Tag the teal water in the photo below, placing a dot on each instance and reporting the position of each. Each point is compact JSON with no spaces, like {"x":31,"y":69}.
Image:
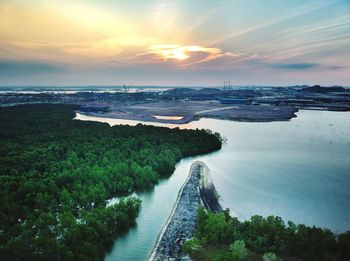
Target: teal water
{"x":298,"y":170}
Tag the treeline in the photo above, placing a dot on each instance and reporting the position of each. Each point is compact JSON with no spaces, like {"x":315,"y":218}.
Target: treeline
{"x":220,"y":237}
{"x":56,"y":175}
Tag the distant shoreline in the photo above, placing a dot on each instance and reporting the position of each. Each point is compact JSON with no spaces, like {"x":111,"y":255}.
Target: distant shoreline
{"x":184,"y":120}
{"x":192,"y":111}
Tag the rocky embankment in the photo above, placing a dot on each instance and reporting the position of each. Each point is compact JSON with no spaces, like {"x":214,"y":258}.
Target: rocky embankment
{"x":197,"y":191}
{"x":208,"y":193}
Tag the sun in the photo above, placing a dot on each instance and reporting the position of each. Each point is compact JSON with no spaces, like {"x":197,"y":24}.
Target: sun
{"x":170,"y":52}
{"x":178,"y":53}
{"x":183,"y":52}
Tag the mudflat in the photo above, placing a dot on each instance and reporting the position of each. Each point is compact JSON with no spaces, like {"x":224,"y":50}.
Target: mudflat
{"x":181,"y":112}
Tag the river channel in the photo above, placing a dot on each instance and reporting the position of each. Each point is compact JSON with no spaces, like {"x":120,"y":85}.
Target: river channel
{"x":298,"y":170}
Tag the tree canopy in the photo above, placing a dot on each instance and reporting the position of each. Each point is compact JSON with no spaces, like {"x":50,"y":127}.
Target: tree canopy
{"x":56,"y":175}
{"x":222,"y":237}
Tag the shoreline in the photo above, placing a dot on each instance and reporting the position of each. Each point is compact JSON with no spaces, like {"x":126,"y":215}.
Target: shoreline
{"x":183,"y":112}
{"x":207,"y":191}
{"x":180,"y":225}
{"x":185,"y":119}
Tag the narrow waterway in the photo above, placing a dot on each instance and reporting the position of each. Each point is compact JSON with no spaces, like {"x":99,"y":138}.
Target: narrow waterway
{"x":298,"y":170}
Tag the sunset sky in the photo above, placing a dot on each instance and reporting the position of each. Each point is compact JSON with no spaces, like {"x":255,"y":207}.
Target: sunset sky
{"x":174,"y":43}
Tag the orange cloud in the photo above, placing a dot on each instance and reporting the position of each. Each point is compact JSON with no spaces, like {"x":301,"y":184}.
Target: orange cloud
{"x":194,"y":53}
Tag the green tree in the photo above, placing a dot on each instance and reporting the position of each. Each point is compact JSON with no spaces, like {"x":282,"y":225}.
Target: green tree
{"x":271,"y":257}
{"x":56,"y":175}
{"x":238,"y":250}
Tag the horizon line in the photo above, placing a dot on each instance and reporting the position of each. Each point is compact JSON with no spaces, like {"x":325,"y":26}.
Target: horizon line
{"x":167,"y":86}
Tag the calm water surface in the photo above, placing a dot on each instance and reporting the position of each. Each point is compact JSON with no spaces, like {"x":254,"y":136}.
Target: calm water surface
{"x":298,"y":170}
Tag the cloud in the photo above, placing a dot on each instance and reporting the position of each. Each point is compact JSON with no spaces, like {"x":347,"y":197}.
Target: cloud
{"x":295,"y":66}
{"x":182,"y":52}
{"x":14,"y":68}
{"x":199,"y":20}
{"x":336,"y":67}
{"x":186,"y":55}
{"x":304,"y":66}
{"x":164,"y":16}
{"x":301,"y":11}
{"x":303,"y":36}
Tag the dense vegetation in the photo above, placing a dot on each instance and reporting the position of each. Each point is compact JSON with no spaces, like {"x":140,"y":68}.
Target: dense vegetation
{"x":56,"y":175}
{"x":220,"y":237}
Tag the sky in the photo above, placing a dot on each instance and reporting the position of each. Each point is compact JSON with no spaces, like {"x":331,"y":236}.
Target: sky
{"x":174,"y":43}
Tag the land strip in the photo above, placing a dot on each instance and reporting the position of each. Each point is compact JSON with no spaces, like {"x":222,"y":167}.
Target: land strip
{"x":183,"y":112}
{"x":198,"y":190}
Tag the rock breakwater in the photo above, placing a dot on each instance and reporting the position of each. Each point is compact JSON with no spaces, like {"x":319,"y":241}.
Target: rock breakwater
{"x":198,"y":190}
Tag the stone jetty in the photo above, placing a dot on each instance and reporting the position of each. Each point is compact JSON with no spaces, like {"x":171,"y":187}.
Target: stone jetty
{"x":180,"y":225}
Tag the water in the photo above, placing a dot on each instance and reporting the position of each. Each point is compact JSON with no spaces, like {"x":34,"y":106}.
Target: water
{"x":298,"y":170}
{"x":156,"y":207}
